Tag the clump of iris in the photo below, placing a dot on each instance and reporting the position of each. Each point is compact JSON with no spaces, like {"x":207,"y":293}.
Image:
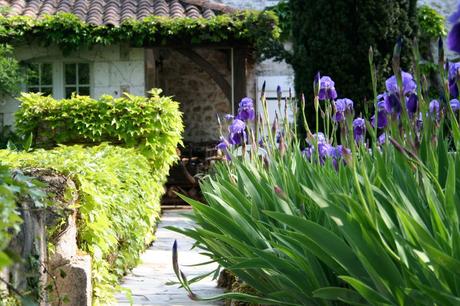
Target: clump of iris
{"x":237,"y":134}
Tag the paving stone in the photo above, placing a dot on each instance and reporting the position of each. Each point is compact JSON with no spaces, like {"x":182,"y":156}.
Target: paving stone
{"x":147,"y":282}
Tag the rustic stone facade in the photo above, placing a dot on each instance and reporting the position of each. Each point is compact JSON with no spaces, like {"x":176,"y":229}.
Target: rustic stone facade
{"x":200,"y":97}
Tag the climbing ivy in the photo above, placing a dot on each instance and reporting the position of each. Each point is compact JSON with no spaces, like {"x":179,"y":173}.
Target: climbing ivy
{"x":11,"y":76}
{"x":70,"y":33}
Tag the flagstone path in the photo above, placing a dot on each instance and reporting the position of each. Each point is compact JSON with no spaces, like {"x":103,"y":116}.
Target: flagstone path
{"x":147,"y":282}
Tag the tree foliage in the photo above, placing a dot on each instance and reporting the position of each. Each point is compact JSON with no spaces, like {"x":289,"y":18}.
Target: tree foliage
{"x":333,"y":37}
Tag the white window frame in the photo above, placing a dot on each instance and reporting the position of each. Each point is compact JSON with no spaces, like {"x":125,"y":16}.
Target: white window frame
{"x":58,"y":74}
{"x":39,"y":85}
{"x":77,"y":85}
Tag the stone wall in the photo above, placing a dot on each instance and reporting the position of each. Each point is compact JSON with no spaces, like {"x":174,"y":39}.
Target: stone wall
{"x":65,"y":271}
{"x":114,"y":70}
{"x":200,"y":97}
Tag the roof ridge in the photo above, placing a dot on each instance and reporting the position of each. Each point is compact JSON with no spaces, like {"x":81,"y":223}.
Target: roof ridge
{"x":212,"y":5}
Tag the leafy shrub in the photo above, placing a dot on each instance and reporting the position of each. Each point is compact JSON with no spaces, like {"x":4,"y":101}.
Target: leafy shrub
{"x":119,"y":203}
{"x":152,"y":125}
{"x":431,"y":23}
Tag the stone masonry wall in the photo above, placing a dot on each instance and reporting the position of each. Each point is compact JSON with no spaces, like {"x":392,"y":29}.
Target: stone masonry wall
{"x":199,"y":96}
{"x":114,"y":69}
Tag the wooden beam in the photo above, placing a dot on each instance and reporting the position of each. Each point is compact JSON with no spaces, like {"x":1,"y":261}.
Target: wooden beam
{"x":239,"y":73}
{"x":210,"y":70}
{"x":149,"y":68}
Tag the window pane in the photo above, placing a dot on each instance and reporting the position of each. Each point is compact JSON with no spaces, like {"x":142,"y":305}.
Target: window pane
{"x":47,"y":74}
{"x":83,"y":74}
{"x":69,"y":91}
{"x":33,"y":89}
{"x":47,"y":91}
{"x":32,"y":74}
{"x":83,"y":91}
{"x":70,"y":74}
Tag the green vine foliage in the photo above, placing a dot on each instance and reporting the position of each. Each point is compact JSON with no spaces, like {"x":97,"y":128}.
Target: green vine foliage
{"x":119,"y":203}
{"x":11,"y":75}
{"x":70,"y":33}
{"x":431,"y":23}
{"x":152,"y":125}
{"x":11,"y":187}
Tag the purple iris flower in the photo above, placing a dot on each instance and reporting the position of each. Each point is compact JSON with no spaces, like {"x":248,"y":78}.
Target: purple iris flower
{"x":453,"y":38}
{"x":308,"y":152}
{"x":341,"y":107}
{"x":279,"y":92}
{"x":359,"y":129}
{"x":382,"y":139}
{"x":453,"y":78}
{"x":434,"y":108}
{"x":382,"y":118}
{"x":237,"y":132}
{"x":455,"y":105}
{"x":392,"y":104}
{"x":412,"y":104}
{"x":408,"y":83}
{"x":320,"y":138}
{"x":246,"y":110}
{"x":327,"y":89}
{"x":324,"y":150}
{"x":223,"y":146}
{"x":229,"y":117}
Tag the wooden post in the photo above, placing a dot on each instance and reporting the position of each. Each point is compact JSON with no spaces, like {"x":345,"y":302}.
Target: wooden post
{"x":239,"y":73}
{"x":149,"y":68}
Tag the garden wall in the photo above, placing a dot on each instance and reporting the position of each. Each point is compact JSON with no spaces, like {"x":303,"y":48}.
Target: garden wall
{"x":61,"y":267}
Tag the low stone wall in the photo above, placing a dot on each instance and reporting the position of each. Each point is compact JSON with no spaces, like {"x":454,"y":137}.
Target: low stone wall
{"x":63,"y":274}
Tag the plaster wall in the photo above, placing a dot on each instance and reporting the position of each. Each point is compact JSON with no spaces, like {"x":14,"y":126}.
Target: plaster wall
{"x":113,"y":70}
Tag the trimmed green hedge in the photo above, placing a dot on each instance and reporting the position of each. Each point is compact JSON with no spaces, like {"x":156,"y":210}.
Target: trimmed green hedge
{"x":119,"y":204}
{"x":152,"y":125}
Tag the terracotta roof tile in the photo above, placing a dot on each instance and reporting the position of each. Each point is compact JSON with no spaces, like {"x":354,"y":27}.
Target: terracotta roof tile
{"x":114,"y":12}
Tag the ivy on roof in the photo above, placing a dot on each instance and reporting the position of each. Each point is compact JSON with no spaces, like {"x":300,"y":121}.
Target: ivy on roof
{"x":256,"y":29}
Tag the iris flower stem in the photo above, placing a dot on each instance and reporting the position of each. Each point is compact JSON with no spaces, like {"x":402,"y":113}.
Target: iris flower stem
{"x":374,"y":91}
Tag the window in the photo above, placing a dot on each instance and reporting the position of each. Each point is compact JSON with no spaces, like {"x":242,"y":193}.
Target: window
{"x":40,"y":78}
{"x":76,"y":79}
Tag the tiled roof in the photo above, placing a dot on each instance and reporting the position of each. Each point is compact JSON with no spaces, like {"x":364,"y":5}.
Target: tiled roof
{"x":114,"y":12}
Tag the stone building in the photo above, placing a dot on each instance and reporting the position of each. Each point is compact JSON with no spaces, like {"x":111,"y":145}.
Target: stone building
{"x":207,"y":80}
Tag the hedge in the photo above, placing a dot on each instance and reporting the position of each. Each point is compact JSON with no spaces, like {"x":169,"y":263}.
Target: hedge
{"x":119,"y":204}
{"x":152,"y":125}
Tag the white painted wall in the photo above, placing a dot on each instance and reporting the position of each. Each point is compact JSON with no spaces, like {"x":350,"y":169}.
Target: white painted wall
{"x":114,"y":69}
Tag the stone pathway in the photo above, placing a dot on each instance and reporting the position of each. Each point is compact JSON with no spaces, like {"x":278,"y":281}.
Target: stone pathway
{"x":148,"y":281}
